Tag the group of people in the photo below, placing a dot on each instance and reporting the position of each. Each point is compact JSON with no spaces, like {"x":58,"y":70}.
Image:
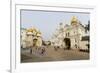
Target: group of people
{"x":38,"y":51}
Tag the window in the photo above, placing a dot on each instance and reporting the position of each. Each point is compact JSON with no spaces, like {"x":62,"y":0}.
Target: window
{"x":68,"y":34}
{"x":75,"y":40}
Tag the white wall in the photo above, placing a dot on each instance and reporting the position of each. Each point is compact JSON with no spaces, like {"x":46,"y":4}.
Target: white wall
{"x":5,"y":36}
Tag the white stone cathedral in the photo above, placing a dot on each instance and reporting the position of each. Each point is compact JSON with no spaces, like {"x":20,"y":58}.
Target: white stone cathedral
{"x":74,"y":32}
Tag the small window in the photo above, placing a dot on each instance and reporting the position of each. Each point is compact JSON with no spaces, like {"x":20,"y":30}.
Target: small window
{"x":68,"y":34}
{"x":75,"y":40}
{"x":74,"y":32}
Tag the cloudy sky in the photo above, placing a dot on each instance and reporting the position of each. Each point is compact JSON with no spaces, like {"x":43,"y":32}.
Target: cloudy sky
{"x":47,"y":21}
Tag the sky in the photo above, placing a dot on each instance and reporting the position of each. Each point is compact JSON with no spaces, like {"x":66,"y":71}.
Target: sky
{"x":47,"y":21}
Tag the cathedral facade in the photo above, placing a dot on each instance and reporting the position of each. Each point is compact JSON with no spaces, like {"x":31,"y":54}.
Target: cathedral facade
{"x":69,"y":36}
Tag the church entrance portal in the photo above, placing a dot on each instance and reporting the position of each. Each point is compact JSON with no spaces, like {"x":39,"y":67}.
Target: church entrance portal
{"x":67,"y":43}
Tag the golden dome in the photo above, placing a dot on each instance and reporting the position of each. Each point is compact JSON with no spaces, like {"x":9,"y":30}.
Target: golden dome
{"x":38,"y":33}
{"x":74,"y":20}
{"x":31,"y":30}
{"x":34,"y":31}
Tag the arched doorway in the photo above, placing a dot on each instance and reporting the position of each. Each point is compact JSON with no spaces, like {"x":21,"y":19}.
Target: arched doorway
{"x":67,"y":43}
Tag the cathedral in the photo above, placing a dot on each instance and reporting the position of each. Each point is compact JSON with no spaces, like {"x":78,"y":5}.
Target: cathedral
{"x":30,"y":36}
{"x":70,"y":36}
{"x":74,"y":35}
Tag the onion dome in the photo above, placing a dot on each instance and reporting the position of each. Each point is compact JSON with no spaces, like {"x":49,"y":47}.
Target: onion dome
{"x":38,"y":33}
{"x":74,"y":20}
{"x":33,"y":31}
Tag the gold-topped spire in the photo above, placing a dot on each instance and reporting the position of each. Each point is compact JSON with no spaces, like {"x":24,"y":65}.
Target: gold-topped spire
{"x":74,"y":20}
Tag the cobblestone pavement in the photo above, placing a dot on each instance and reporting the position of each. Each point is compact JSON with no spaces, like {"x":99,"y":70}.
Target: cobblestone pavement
{"x":51,"y":54}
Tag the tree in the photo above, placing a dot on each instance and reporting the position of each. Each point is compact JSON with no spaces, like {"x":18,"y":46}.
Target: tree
{"x":87,"y":27}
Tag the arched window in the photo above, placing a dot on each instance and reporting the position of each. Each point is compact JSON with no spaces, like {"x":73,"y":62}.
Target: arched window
{"x":68,"y":34}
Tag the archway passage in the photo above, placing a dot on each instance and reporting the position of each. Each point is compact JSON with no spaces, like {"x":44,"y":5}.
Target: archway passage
{"x":67,"y":43}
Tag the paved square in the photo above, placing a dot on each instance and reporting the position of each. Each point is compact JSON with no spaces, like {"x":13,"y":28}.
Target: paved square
{"x":51,"y":54}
